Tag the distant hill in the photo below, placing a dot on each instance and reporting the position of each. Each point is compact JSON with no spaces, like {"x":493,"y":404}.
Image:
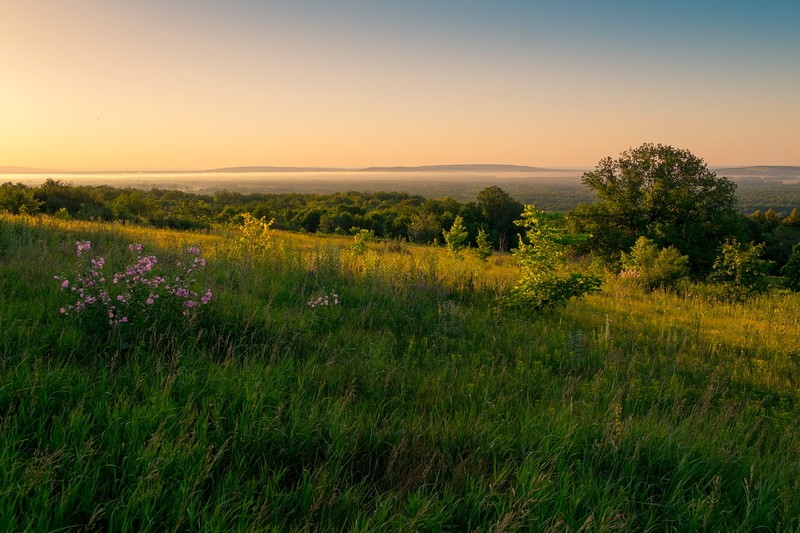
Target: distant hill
{"x":457,"y":168}
{"x":759,"y":170}
{"x":23,"y":170}
{"x":424,"y":168}
{"x":277,"y":169}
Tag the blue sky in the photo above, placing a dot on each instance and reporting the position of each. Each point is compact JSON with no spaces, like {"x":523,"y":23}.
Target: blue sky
{"x":90,"y":84}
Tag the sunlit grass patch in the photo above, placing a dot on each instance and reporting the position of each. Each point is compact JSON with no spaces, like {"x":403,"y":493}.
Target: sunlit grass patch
{"x":415,"y":402}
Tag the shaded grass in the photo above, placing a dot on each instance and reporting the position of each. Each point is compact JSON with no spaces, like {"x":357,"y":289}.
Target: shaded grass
{"x":417,"y":404}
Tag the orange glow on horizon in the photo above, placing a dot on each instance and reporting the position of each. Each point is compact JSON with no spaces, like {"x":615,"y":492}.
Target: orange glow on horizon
{"x":109,"y":87}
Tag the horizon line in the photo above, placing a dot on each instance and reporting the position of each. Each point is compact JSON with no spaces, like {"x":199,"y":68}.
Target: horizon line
{"x":12,"y":169}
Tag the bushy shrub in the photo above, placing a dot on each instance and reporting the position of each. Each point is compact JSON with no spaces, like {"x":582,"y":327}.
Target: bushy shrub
{"x":18,"y":199}
{"x":791,"y":271}
{"x":256,"y":239}
{"x":653,"y":268}
{"x":360,"y":240}
{"x":739,"y":270}
{"x":546,"y":282}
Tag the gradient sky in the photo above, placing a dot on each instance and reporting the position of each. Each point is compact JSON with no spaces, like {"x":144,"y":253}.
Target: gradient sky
{"x":200,"y":84}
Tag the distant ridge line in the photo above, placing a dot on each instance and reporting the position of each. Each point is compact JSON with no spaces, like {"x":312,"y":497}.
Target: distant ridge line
{"x":266,"y":168}
{"x":761,"y":168}
{"x":422,"y":168}
{"x":24,"y":170}
{"x":279,"y":169}
{"x":458,"y":168}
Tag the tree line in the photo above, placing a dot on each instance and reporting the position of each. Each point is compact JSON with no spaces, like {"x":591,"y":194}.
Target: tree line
{"x":658,"y":192}
{"x":389,"y":215}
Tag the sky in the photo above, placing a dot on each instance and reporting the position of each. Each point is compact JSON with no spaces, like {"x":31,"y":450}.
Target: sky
{"x":161,"y":84}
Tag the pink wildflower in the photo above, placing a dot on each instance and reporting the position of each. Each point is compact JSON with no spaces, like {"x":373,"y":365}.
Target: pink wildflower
{"x":81,"y":247}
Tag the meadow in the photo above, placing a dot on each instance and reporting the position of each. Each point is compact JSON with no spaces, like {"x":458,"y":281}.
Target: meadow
{"x":411,"y":401}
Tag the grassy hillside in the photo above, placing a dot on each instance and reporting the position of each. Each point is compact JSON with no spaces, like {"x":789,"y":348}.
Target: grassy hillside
{"x":415,"y":403}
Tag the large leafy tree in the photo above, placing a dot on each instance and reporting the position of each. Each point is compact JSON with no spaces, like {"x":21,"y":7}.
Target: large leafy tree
{"x":663,"y":193}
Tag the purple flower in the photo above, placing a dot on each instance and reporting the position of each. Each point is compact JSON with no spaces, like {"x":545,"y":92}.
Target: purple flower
{"x":206,"y":298}
{"x":181,"y":292}
{"x":65,"y":284}
{"x":81,"y":247}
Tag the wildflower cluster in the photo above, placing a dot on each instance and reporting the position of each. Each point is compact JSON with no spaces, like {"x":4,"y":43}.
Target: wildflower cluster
{"x":629,"y":274}
{"x":135,"y":289}
{"x":324,"y":300}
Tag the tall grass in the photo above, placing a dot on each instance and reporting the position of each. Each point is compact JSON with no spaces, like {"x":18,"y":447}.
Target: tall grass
{"x":417,"y":403}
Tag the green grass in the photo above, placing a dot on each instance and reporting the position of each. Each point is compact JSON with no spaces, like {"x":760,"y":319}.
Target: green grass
{"x":417,"y":404}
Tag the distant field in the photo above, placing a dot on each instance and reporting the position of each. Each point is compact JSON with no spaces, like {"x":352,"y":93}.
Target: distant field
{"x":560,"y":190}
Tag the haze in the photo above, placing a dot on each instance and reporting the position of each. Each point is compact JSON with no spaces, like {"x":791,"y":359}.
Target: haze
{"x":201,"y":84}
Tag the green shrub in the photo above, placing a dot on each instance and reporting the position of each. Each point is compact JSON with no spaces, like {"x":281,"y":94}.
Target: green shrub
{"x":18,"y":199}
{"x":360,"y":240}
{"x":545,"y":281}
{"x":457,"y":236}
{"x":791,"y":270}
{"x":739,"y":270}
{"x":653,"y":268}
{"x":484,"y":249}
{"x":256,"y":239}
